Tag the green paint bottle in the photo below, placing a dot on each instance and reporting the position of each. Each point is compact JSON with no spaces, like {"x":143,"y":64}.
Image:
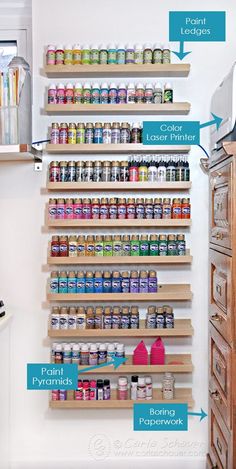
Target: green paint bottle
{"x":163,"y":245}
{"x":98,"y":245}
{"x":107,"y":246}
{"x":135,"y":245}
{"x":144,"y":245}
{"x":154,"y":245}
{"x":172,"y":246}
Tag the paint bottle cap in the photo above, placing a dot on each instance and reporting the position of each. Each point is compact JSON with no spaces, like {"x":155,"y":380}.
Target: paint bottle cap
{"x":78,"y":86}
{"x":69,"y":86}
{"x":122,"y":86}
{"x":113,"y":85}
{"x":149,"y":86}
{"x":104,"y":86}
{"x":85,"y":47}
{"x":120,"y":47}
{"x":166,"y":46}
{"x":138,"y":47}
{"x":120,"y":347}
{"x":84,"y":348}
{"x":129,"y":46}
{"x":61,"y":86}
{"x":136,"y":125}
{"x":141,"y":381}
{"x":94,"y":47}
{"x":111,"y":46}
{"x":158,"y":86}
{"x":52,"y":86}
{"x":158,"y":45}
{"x":110,"y":347}
{"x":102,"y":347}
{"x":87,"y":86}
{"x":67,"y":348}
{"x":96,"y":85}
{"x":58,"y":347}
{"x":60,"y":47}
{"x":76,"y":47}
{"x":122,"y":381}
{"x":148,"y":45}
{"x":168,"y":86}
{"x":68,"y":47}
{"x":148,"y":380}
{"x":131,"y":85}
{"x":93,"y":348}
{"x":50,"y":47}
{"x":140,"y":85}
{"x":134,"y":379}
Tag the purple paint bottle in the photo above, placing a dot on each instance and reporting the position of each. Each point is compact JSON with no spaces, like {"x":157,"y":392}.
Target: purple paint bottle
{"x":125,"y":282}
{"x":152,"y":281}
{"x":143,"y":282}
{"x":134,"y":282}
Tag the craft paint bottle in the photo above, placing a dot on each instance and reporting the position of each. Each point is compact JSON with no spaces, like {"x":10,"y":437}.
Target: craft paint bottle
{"x":140,"y":209}
{"x":80,"y":138}
{"x":72,"y":133}
{"x":90,"y":318}
{"x":89,"y":132}
{"x":103,"y":55}
{"x":104,"y":209}
{"x":148,"y":383}
{"x":134,"y":281}
{"x":51,"y":55}
{"x":154,"y":245}
{"x":106,"y":390}
{"x":52,"y":94}
{"x":63,"y":140}
{"x":151,"y":317}
{"x":95,"y":94}
{"x":71,"y":171}
{"x":52,"y":209}
{"x":58,"y":354}
{"x":112,"y":54}
{"x":68,"y":55}
{"x":88,"y":171}
{"x":131,"y":94}
{"x":98,"y":282}
{"x":125,"y":134}
{"x":113,"y":208}
{"x":143,"y":172}
{"x":138,"y":54}
{"x":54,"y":171}
{"x":143,"y":282}
{"x":87,"y":93}
{"x":78,"y":209}
{"x":126,"y":245}
{"x":84,"y":355}
{"x":97,"y":171}
{"x":87,"y":209}
{"x":141,"y":389}
{"x":168,"y":387}
{"x":80,"y":283}
{"x":120,"y":348}
{"x":69,"y":209}
{"x":117,"y":246}
{"x":169,"y":317}
{"x":171,"y":246}
{"x":122,"y":392}
{"x":122,"y":94}
{"x":79,"y":391}
{"x":78,"y":93}
{"x":81,"y":316}
{"x":157,"y":209}
{"x":63,"y":246}
{"x":134,"y":246}
{"x":144,"y":246}
{"x":140,"y":94}
{"x":55,"y":318}
{"x":152,"y":282}
{"x":66,"y":354}
{"x":157,"y":94}
{"x":148,"y":94}
{"x":77,"y":56}
{"x":148,"y":209}
{"x":63,"y":282}
{"x":162,"y":245}
{"x":69,"y":94}
{"x":116,"y":319}
{"x":186,"y":209}
{"x":181,"y":245}
{"x":100,"y":390}
{"x":93,"y":355}
{"x":115,"y":132}
{"x":63,"y":170}
{"x":115,"y":171}
{"x":133,"y":388}
{"x":60,"y":209}
{"x":61,"y":94}
{"x":89,"y":246}
{"x":157,"y":54}
{"x":120,"y":54}
{"x":124,"y":171}
{"x":110,"y":352}
{"x":134,"y":318}
{"x":54,"y":134}
{"x":98,"y":245}
{"x":107,"y":246}
{"x":147,"y":54}
{"x":168,"y":93}
{"x":59,"y":55}
{"x":86,"y":390}
{"x":121,"y":209}
{"x":93,"y":390}
{"x":54,"y":282}
{"x":166,"y":59}
{"x":107,"y":318}
{"x":94,"y":55}
{"x":72,"y":317}
{"x":161,"y":171}
{"x":75,"y":354}
{"x":133,"y":171}
{"x":64,"y":318}
{"x":166,"y":208}
{"x":89,"y":282}
{"x":136,"y":133}
{"x":116,"y":282}
{"x":152,"y":171}
{"x":95,"y":209}
{"x":104,"y":94}
{"x":106,"y":138}
{"x":131,"y":212}
{"x":112,"y":94}
{"x":125,"y":282}
{"x":102,"y":354}
{"x":129,"y":54}
{"x":107,"y":283}
{"x":98,"y":317}
{"x":170,"y":171}
{"x":62,"y":395}
{"x":85,"y":55}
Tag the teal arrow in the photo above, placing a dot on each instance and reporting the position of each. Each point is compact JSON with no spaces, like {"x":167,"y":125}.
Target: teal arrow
{"x":215,"y":121}
{"x":181,"y":54}
{"x":201,"y":414}
{"x":116,"y":362}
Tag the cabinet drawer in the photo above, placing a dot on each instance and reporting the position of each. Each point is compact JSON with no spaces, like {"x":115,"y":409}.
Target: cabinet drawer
{"x":221,"y":295}
{"x":209,"y":463}
{"x":221,"y":205}
{"x":220,"y":441}
{"x":220,"y":375}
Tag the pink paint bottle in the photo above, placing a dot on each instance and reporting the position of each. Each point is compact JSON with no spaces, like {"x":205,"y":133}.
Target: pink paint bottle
{"x":60,"y":55}
{"x":60,"y":209}
{"x":52,"y":94}
{"x":69,"y":209}
{"x":61,"y":94}
{"x":52,"y":209}
{"x":78,"y":209}
{"x":87,"y":209}
{"x":122,"y":388}
{"x":86,"y":391}
{"x":79,"y":392}
{"x":69,"y":94}
{"x":51,"y":55}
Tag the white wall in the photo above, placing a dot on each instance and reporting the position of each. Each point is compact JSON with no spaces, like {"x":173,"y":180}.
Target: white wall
{"x":38,"y":434}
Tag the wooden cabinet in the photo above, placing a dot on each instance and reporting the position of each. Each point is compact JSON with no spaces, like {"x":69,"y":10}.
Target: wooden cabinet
{"x":222,"y":312}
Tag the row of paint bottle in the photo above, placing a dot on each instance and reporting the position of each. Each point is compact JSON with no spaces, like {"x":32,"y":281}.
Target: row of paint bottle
{"x":87,"y":390}
{"x":118,"y":245}
{"x":136,"y":169}
{"x":103,"y":282}
{"x":86,"y":353}
{"x":104,"y":93}
{"x":111,"y":54}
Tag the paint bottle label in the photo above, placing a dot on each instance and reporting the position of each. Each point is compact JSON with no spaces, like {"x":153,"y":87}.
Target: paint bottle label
{"x":144,"y":248}
{"x":89,"y":285}
{"x":107,"y":285}
{"x":98,"y":285}
{"x":80,"y":285}
{"x":116,"y":285}
{"x":102,"y":356}
{"x":152,"y":285}
{"x":143,"y":285}
{"x":63,"y":285}
{"x":99,"y":249}
{"x":154,"y":248}
{"x":72,"y":285}
{"x":107,"y":321}
{"x":125,"y":285}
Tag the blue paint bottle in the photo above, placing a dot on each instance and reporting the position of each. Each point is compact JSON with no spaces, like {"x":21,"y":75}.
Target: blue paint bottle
{"x":107,"y":282}
{"x":89,"y":282}
{"x":98,"y":282}
{"x":54,"y":282}
{"x":63,"y":282}
{"x":71,"y":282}
{"x":80,"y":282}
{"x":116,"y":283}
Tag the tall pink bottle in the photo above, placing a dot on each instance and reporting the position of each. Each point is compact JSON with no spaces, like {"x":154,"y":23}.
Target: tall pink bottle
{"x":157,"y":353}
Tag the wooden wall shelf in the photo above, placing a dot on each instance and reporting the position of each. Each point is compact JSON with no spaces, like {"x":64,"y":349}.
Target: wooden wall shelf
{"x":113,"y":260}
{"x":184,"y":366}
{"x":119,"y":186}
{"x":183,"y":328}
{"x":151,"y":70}
{"x":118,"y":223}
{"x":182,"y":395}
{"x":167,"y":292}
{"x":178,"y":108}
{"x":121,"y":148}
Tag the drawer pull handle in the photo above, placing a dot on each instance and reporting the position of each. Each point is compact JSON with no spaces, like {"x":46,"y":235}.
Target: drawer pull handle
{"x":218,"y":368}
{"x":218,"y":289}
{"x":219,"y":445}
{"x":216,"y":317}
{"x":216,"y":396}
{"x":218,"y":236}
{"x":218,"y":173}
